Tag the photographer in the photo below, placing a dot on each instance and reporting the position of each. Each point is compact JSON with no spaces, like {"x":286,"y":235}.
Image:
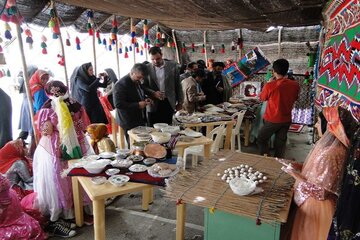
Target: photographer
{"x":84,"y":85}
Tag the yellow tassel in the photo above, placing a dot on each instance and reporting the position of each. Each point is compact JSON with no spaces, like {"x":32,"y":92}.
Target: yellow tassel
{"x":212,"y":210}
{"x":7,"y":26}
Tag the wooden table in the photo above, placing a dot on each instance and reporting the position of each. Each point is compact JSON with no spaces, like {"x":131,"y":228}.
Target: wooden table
{"x":229,"y":208}
{"x":210,"y":126}
{"x":98,"y":194}
{"x":182,"y":145}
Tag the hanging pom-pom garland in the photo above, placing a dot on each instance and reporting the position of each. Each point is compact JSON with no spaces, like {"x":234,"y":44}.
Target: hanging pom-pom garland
{"x":133,"y":35}
{"x":90,"y":23}
{"x":222,"y":48}
{"x":203,"y":49}
{"x":183,"y":49}
{"x":114,"y":30}
{"x":43,"y":44}
{"x":141,"y":50}
{"x":29,"y":39}
{"x":61,"y":61}
{"x":193,"y":47}
{"x":98,"y":37}
{"x":77,"y":41}
{"x":7,"y":31}
{"x":137,"y":47}
{"x":110,"y":47}
{"x":54,"y":24}
{"x":11,"y":13}
{"x":158,"y":37}
{"x":104,"y":42}
{"x":120,"y":48}
{"x":68,"y":43}
{"x":212,"y":49}
{"x":130,"y":48}
{"x":126,"y":52}
{"x":146,"y":33}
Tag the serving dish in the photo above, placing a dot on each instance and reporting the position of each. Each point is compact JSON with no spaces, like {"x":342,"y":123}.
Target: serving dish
{"x":98,"y":180}
{"x":149,"y":161}
{"x":160,"y":137}
{"x":160,"y":125}
{"x":119,"y":180}
{"x":155,"y":150}
{"x":112,"y":171}
{"x":122,"y":163}
{"x":135,"y":158}
{"x":163,"y":170}
{"x":107,"y":155}
{"x":138,"y":168}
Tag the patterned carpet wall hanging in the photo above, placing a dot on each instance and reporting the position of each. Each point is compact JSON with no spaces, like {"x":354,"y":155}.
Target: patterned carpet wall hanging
{"x":339,"y":75}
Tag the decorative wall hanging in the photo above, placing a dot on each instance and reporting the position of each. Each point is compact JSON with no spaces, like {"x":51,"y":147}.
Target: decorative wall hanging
{"x":43,"y":44}
{"x":77,"y":42}
{"x":29,"y":40}
{"x":90,"y":23}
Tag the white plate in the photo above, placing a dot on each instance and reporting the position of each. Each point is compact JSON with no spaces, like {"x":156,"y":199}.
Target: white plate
{"x":152,"y":173}
{"x":135,"y":158}
{"x":90,"y":157}
{"x":112,"y":171}
{"x":149,"y":161}
{"x":118,"y":180}
{"x":138,"y":168}
{"x":122,"y":163}
{"x":191,"y":133}
{"x":98,"y":180}
{"x":107,"y":155}
{"x":142,"y":129}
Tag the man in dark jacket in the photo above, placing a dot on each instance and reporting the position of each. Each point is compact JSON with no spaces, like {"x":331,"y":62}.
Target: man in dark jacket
{"x":5,"y":118}
{"x":129,"y":99}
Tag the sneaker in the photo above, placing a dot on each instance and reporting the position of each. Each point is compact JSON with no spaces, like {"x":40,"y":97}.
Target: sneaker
{"x":58,"y":230}
{"x":67,"y":224}
{"x":88,"y":220}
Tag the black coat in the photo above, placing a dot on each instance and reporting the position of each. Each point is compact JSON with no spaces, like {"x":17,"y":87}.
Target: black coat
{"x":84,"y":90}
{"x":5,"y":118}
{"x":126,"y":101}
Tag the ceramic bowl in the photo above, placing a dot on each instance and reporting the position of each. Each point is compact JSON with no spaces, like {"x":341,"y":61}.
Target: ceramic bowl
{"x":112,"y":171}
{"x":161,"y":137}
{"x":122,"y":163}
{"x":118,"y":180}
{"x":149,"y":161}
{"x":159,"y":126}
{"x":96,"y":167}
{"x":98,"y":180}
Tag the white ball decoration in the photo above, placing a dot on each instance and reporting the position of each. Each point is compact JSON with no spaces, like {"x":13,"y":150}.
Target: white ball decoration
{"x":219,"y":174}
{"x":242,"y":171}
{"x":264,"y":177}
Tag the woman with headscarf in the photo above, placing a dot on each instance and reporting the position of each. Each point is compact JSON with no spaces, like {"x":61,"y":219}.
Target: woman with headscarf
{"x":14,"y":222}
{"x":318,"y":179}
{"x":99,"y":138}
{"x":14,"y":165}
{"x":61,"y":121}
{"x":84,"y":85}
{"x":25,"y":120}
{"x":37,"y":83}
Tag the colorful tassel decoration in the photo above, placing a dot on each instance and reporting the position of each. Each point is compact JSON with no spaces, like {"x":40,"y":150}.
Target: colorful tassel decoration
{"x":11,"y":13}
{"x":146,"y":32}
{"x":168,"y":44}
{"x":232,"y":46}
{"x":1,"y":49}
{"x":90,"y":23}
{"x":104,"y":42}
{"x":43,"y":44}
{"x":54,"y":24}
{"x":8,"y":74}
{"x":77,"y":42}
{"x":212,"y":49}
{"x":126,"y":52}
{"x":7,"y":31}
{"x":222,"y":48}
{"x":109,"y":47}
{"x":133,"y":35}
{"x":114,"y":30}
{"x":29,"y":39}
{"x":183,"y":49}
{"x":193,"y":47}
{"x":203,"y":49}
{"x":130,"y":48}
{"x":120,"y":48}
{"x":61,"y":61}
{"x":98,"y":37}
{"x":1,"y":74}
{"x":173,"y":45}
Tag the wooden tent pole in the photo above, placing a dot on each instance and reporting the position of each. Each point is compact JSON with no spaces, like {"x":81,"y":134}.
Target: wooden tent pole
{"x":62,"y":49}
{"x":113,"y":123}
{"x":94,"y":54}
{"x":241,"y":50}
{"x":279,"y":42}
{"x":131,"y":27}
{"x":176,"y":47}
{"x":205,"y":48}
{"x":26,"y":81}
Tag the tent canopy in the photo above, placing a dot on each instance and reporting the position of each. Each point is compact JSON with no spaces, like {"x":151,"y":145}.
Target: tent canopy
{"x":180,"y":14}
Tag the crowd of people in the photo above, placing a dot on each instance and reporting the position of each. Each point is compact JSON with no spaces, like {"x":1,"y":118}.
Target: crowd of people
{"x":72,"y":124}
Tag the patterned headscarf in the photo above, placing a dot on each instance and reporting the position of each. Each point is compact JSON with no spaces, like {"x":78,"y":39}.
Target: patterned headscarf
{"x":5,"y":198}
{"x":35,"y":81}
{"x":97,"y":131}
{"x":335,"y":126}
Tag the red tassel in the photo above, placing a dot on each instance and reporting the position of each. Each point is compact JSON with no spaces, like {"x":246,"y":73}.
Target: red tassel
{"x":97,"y":34}
{"x":77,"y":40}
{"x":179,"y":201}
{"x":91,"y":32}
{"x":1,"y":49}
{"x":137,"y":50}
{"x":4,"y":17}
{"x":68,"y":42}
{"x":222,"y":50}
{"x":126,"y":55}
{"x":44,"y":51}
{"x":14,"y":19}
{"x":203,"y":50}
{"x":258,"y":221}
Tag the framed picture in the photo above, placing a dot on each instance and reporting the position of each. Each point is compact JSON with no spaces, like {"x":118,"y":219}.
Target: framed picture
{"x":250,"y":89}
{"x":234,"y":75}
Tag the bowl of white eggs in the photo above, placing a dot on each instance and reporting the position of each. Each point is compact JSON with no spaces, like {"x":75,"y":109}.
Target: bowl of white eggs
{"x":245,"y":171}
